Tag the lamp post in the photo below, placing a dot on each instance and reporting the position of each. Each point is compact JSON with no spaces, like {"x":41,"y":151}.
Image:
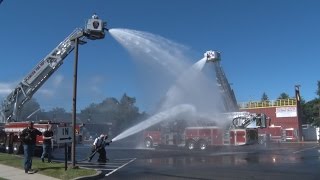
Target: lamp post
{"x":77,"y":41}
{"x":74,"y":102}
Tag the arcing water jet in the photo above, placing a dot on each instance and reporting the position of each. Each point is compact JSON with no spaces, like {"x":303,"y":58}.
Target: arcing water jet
{"x":184,"y":110}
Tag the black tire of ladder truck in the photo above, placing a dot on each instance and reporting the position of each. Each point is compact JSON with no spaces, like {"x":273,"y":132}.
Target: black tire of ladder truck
{"x":203,"y":145}
{"x":9,"y":143}
{"x":191,"y":144}
{"x":17,"y":148}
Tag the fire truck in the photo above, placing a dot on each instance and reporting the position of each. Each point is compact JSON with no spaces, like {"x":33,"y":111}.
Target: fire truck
{"x":12,"y":130}
{"x":240,"y":127}
{"x":277,"y":134}
{"x":243,"y":130}
{"x":12,"y":104}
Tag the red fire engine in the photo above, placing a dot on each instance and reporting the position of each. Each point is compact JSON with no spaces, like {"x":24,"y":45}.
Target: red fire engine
{"x":244,"y":130}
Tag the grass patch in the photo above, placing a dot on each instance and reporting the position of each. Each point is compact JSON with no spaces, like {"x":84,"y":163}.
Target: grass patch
{"x":54,"y":169}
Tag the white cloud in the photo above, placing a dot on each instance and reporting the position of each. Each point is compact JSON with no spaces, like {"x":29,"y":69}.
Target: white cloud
{"x":96,"y":83}
{"x":57,"y":80}
{"x":6,"y":88}
{"x":46,"y":92}
{"x":49,"y":90}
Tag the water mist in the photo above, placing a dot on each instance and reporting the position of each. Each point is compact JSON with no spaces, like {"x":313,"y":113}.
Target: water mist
{"x":180,"y":81}
{"x":183,"y":110}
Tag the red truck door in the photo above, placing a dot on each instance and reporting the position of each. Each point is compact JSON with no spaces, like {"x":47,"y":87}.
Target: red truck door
{"x":238,"y":137}
{"x":216,"y":136}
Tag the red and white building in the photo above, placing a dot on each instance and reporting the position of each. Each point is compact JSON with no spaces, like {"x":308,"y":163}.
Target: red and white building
{"x":284,"y":124}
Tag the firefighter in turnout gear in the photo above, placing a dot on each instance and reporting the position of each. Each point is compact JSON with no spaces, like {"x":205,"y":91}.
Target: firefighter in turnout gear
{"x":99,"y":146}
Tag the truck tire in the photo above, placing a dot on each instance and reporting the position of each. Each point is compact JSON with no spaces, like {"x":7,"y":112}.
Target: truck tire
{"x":262,"y":141}
{"x":148,"y":143}
{"x":8,"y":149}
{"x":203,"y":145}
{"x":191,"y":144}
{"x":17,"y":148}
{"x":9,"y":143}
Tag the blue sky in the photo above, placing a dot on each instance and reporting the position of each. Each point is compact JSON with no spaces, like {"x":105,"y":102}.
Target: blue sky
{"x":266,"y":46}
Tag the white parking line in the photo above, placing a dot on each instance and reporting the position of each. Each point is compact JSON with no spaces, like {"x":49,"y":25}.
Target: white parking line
{"x":115,"y":163}
{"x":120,"y":167}
{"x":102,"y":165}
{"x":112,"y":166}
{"x":102,"y":169}
{"x":124,"y":159}
{"x":306,"y":149}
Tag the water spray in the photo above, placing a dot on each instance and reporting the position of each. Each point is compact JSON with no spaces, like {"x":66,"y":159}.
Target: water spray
{"x":186,"y":110}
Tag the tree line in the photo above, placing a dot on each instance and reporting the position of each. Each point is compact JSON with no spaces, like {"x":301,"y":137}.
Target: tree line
{"x":121,"y":114}
{"x":124,"y":113}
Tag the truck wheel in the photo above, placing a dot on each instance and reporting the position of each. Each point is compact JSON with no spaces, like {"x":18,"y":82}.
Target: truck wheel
{"x":17,"y":148}
{"x":191,"y":145}
{"x":261,"y":141}
{"x":8,"y":149}
{"x":203,"y":145}
{"x":148,"y":143}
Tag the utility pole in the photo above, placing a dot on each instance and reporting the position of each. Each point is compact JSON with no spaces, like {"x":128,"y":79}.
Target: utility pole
{"x":74,"y":102}
{"x":299,"y":111}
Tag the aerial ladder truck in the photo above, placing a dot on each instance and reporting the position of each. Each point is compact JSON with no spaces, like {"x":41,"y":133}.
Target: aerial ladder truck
{"x":241,"y":121}
{"x":241,"y":127}
{"x":229,"y":98}
{"x":12,"y":104}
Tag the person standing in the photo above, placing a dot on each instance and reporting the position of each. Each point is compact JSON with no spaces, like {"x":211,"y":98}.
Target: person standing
{"x":28,"y":137}
{"x":47,"y":144}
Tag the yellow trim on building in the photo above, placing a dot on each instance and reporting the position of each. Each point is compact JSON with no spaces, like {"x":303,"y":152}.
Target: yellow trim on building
{"x":268,"y":103}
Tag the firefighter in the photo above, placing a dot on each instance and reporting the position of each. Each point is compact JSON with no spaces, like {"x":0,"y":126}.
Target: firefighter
{"x":28,"y":137}
{"x":99,"y":146}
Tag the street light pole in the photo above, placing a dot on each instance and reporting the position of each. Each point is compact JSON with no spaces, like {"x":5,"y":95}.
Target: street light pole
{"x":74,"y":103}
{"x":299,"y":111}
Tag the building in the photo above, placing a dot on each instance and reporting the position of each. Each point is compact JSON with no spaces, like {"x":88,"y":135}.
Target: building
{"x":284,"y":114}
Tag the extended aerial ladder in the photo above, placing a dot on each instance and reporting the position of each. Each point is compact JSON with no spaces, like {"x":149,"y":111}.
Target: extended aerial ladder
{"x":12,"y":104}
{"x":229,"y":98}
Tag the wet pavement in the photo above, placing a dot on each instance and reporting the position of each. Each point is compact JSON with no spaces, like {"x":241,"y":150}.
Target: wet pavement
{"x":275,"y":161}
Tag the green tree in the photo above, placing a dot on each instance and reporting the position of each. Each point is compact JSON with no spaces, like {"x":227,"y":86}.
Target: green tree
{"x":284,"y":96}
{"x":264,"y":97}
{"x":59,"y":114}
{"x":121,"y":114}
{"x":101,"y":113}
{"x":310,"y":112}
{"x":318,"y":90}
{"x":128,"y":113}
